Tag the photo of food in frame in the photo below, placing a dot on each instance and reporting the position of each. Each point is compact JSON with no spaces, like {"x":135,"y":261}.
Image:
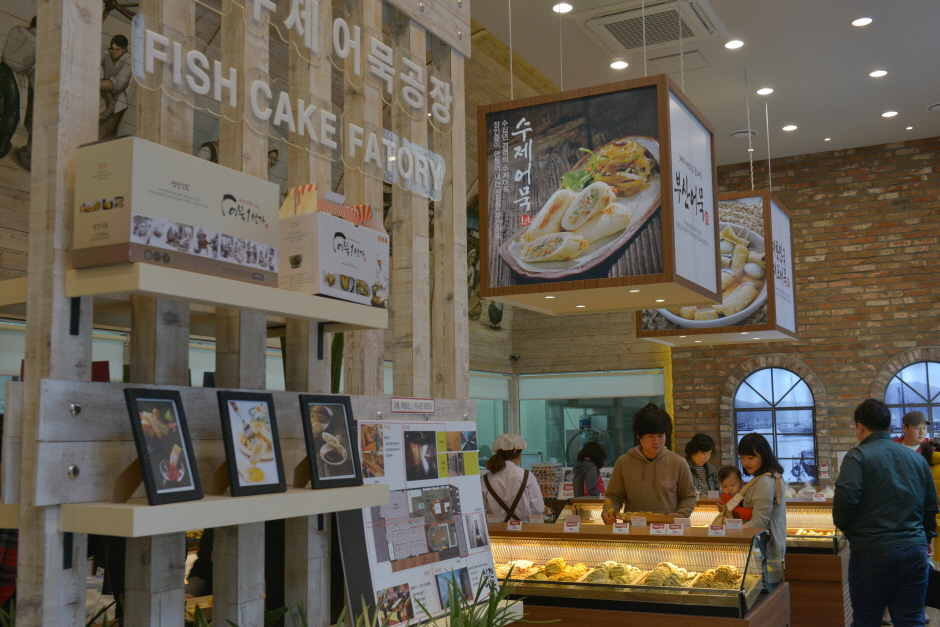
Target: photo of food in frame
{"x":332,"y":441}
{"x":163,"y":445}
{"x":252,"y":448}
{"x":574,"y":189}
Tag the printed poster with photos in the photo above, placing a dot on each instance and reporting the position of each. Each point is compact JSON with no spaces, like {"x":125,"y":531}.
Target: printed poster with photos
{"x":433,"y":529}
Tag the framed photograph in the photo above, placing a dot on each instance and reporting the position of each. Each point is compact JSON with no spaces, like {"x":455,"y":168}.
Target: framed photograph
{"x":163,"y":446}
{"x":252,"y":448}
{"x":332,"y":441}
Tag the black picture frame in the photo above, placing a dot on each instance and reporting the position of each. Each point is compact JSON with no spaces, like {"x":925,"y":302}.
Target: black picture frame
{"x":244,"y":479}
{"x":324,"y":473}
{"x":156,"y":439}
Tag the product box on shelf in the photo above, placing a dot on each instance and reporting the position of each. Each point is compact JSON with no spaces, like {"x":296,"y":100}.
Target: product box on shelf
{"x":136,"y":201}
{"x":333,"y":250}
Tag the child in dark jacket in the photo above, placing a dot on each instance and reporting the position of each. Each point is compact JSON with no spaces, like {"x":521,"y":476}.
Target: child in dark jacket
{"x":587,"y":470}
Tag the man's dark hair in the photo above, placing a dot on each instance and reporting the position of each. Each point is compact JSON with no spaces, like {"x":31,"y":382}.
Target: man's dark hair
{"x":756,"y":445}
{"x":120,"y":40}
{"x":651,"y":420}
{"x":700,"y":443}
{"x":873,"y":415}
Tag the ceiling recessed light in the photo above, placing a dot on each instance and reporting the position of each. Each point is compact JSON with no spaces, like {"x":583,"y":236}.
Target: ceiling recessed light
{"x":910,"y":128}
{"x":889,"y":114}
{"x":549,"y":297}
{"x":789,"y":127}
{"x":619,"y":65}
{"x":562,"y":8}
{"x":743,"y":332}
{"x":756,"y":338}
{"x":934,"y":108}
{"x":734,"y":44}
{"x":862,"y":21}
{"x":681,"y":336}
{"x":750,"y":150}
{"x":828,"y":139}
{"x":764,"y":91}
{"x":580,"y":306}
{"x":634,"y":291}
{"x":698,"y":341}
{"x":877,"y":73}
{"x":660,"y":300}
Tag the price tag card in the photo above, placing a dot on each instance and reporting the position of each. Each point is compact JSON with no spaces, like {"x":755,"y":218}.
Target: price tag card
{"x":638,"y":521}
{"x":819,"y":497}
{"x":621,"y":527}
{"x":685,"y":522}
{"x":716,"y":530}
{"x":674,"y":530}
{"x":714,"y":494}
{"x":565,"y":491}
{"x":733,"y":524}
{"x":514,"y":525}
{"x":658,"y":529}
{"x":823,"y":470}
{"x":573,"y":524}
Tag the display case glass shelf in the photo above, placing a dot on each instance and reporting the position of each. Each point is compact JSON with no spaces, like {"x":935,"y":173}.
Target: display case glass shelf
{"x":691,"y":574}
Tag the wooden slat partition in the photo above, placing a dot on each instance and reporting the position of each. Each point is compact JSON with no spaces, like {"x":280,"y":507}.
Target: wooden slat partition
{"x":362,"y":102}
{"x":409,"y":302}
{"x":66,"y":110}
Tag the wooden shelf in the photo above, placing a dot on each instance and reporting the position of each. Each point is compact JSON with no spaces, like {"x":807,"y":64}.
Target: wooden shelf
{"x":120,"y":281}
{"x":137,"y":519}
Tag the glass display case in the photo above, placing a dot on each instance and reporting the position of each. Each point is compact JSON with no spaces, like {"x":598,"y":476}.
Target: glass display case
{"x":596,"y":569}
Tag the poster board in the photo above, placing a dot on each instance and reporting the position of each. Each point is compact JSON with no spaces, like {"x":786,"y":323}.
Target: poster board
{"x":590,"y":191}
{"x":758,"y":301}
{"x":434,"y":526}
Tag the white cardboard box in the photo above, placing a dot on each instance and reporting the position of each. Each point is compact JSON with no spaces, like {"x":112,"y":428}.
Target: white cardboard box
{"x":331,"y":256}
{"x":136,"y":201}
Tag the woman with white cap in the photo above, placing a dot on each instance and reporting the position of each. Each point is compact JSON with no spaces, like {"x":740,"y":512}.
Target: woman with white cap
{"x":509,"y":491}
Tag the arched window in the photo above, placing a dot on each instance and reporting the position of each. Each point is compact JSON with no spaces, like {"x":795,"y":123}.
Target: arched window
{"x":916,"y":387}
{"x":778,"y":404}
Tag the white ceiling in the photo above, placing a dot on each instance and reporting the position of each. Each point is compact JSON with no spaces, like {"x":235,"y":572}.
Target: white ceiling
{"x":806,"y":50}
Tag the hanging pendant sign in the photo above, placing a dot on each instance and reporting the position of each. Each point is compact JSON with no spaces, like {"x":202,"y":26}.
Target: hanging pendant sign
{"x":582,"y":212}
{"x":757,"y":301}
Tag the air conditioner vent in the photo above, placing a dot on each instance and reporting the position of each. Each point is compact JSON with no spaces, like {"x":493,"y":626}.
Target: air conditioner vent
{"x":618,"y":29}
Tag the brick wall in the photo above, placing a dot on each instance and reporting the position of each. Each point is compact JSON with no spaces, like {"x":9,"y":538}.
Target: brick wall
{"x":866,"y":225}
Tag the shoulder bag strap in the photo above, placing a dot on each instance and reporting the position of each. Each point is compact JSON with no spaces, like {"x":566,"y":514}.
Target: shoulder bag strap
{"x":734,"y":502}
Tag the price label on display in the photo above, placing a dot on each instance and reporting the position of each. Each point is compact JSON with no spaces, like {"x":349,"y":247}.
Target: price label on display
{"x":572,"y":524}
{"x":823,"y":470}
{"x":514,"y":525}
{"x":621,"y":527}
{"x":658,"y":529}
{"x":819,"y":497}
{"x":638,"y":521}
{"x":733,"y":524}
{"x":685,"y":522}
{"x":713,"y":494}
{"x":674,"y":530}
{"x":566,"y":491}
{"x":716,"y":530}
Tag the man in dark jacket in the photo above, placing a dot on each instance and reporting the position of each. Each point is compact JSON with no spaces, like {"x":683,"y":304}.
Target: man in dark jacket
{"x":886,"y":504}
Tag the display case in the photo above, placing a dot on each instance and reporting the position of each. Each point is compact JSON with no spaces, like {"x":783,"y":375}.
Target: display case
{"x":692,"y":574}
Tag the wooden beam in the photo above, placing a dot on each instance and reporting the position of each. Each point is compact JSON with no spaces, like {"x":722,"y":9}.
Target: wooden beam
{"x":362,"y":104}
{"x":409,"y":294}
{"x":58,"y":346}
{"x":450,"y":330}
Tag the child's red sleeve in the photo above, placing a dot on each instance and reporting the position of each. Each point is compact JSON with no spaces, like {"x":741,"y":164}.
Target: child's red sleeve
{"x":744,"y":513}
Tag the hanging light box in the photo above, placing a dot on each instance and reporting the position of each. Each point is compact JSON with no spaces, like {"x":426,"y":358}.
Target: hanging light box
{"x":758,"y":300}
{"x":598,"y":199}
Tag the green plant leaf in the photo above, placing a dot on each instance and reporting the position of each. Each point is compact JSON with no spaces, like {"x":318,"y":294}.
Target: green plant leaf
{"x":576,"y":180}
{"x":91,"y":621}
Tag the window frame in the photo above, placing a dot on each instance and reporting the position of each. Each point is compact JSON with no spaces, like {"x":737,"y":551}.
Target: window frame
{"x":773,"y":408}
{"x":929,"y":404}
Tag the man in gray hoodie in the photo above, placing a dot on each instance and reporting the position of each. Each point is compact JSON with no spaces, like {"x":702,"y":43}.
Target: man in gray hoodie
{"x":649,"y":477}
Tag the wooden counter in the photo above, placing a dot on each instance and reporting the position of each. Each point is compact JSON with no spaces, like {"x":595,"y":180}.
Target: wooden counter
{"x":772,"y":611}
{"x":820,"y":586}
{"x":605,"y":532}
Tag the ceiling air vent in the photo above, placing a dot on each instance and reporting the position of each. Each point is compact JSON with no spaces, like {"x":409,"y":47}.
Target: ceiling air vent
{"x":742,"y":134}
{"x":618,"y":29}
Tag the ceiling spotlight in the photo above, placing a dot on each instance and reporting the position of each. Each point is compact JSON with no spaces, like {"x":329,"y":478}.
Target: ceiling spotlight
{"x":756,"y":338}
{"x":910,"y":128}
{"x":698,"y":341}
{"x":750,"y":150}
{"x":878,"y":73}
{"x":789,"y":127}
{"x":634,"y":291}
{"x":934,"y":108}
{"x":889,"y":114}
{"x":580,"y":306}
{"x":549,"y":297}
{"x":660,"y":300}
{"x":827,"y":139}
{"x":734,"y":44}
{"x":681,"y":336}
{"x":562,"y":8}
{"x":764,"y":91}
{"x":619,"y":65}
{"x":862,"y":21}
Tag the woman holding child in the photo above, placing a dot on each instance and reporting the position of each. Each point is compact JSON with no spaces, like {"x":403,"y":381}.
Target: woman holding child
{"x":760,"y":502}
